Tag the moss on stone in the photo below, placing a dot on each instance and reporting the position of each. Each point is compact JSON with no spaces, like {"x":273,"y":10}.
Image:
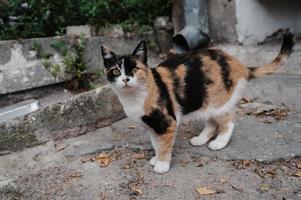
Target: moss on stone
{"x":17,"y":141}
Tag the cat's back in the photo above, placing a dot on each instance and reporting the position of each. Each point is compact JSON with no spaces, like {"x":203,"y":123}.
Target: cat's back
{"x":202,"y":77}
{"x":211,"y":59}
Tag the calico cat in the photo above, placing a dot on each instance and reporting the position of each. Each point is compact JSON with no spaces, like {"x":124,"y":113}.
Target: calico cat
{"x":201,"y":85}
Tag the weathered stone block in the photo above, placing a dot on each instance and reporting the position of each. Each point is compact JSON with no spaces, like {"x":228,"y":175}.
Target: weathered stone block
{"x":79,"y":30}
{"x":76,"y":116}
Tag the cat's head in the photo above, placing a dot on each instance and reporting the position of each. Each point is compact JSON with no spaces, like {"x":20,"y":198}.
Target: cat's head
{"x":126,"y":73}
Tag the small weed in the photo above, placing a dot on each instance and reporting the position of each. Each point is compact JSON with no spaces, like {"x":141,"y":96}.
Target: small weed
{"x":73,"y":63}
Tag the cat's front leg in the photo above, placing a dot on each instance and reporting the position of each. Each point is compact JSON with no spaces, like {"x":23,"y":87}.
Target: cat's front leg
{"x":163,"y":134}
{"x":154,"y":142}
{"x":163,"y":145}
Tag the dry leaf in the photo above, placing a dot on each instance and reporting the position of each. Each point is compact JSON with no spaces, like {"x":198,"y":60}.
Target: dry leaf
{"x":138,"y":155}
{"x":299,"y":165}
{"x":271,"y":171}
{"x":298,"y":173}
{"x":103,"y":159}
{"x":60,"y":147}
{"x":76,"y":175}
{"x":264,"y":187}
{"x":131,"y":126}
{"x":69,"y":178}
{"x":184,"y":162}
{"x":137,"y":190}
{"x":205,"y":191}
{"x":246,"y":162}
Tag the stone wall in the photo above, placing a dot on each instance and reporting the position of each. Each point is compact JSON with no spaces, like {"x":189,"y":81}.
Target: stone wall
{"x":259,"y":19}
{"x":22,"y":69}
{"x":222,"y":21}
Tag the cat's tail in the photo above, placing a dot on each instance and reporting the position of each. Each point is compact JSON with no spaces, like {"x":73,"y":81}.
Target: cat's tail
{"x":286,"y":49}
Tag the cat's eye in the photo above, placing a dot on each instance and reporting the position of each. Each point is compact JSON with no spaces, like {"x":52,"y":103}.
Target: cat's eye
{"x":135,"y":70}
{"x":116,"y":72}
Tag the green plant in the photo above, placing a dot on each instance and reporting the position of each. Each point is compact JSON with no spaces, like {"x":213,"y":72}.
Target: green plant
{"x":73,"y":63}
{"x":59,"y":45}
{"x":40,"y":18}
{"x":39,"y":50}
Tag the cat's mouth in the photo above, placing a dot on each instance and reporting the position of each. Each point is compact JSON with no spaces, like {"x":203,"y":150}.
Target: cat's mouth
{"x":126,"y":86}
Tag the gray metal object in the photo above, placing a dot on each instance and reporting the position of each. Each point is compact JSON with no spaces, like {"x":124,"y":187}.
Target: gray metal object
{"x":190,"y":38}
{"x":196,"y":14}
{"x":194,"y":34}
{"x":18,"y":109}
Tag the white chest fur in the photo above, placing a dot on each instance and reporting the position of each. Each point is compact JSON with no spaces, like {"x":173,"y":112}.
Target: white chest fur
{"x":133,"y":104}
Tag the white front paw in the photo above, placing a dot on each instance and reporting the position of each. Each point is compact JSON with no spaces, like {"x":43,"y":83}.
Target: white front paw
{"x":198,"y":141}
{"x":217,"y":145}
{"x":153,"y":161}
{"x":161,"y":167}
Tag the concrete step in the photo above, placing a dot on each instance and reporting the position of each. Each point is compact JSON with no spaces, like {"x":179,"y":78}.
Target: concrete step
{"x":75,"y":116}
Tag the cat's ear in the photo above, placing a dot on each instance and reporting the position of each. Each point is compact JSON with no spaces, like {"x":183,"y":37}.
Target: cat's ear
{"x":140,"y":52}
{"x":109,"y":57}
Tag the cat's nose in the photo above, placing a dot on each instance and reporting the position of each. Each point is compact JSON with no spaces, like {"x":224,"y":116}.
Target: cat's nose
{"x":126,"y":80}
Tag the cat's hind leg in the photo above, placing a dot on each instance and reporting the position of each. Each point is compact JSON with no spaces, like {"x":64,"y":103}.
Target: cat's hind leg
{"x":224,"y":132}
{"x":207,"y":133}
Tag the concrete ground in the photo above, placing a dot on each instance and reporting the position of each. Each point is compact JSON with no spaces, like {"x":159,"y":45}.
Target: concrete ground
{"x":261,"y":162}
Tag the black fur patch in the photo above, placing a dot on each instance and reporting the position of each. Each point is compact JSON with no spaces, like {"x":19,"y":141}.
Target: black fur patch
{"x":195,"y":88}
{"x":129,"y":64}
{"x":157,"y":121}
{"x":218,"y":56}
{"x":110,"y":76}
{"x":175,"y":61}
{"x":164,"y":99}
{"x":196,"y":81}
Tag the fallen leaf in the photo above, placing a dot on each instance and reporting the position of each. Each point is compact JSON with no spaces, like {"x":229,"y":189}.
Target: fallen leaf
{"x":184,"y":162}
{"x":246,"y":162}
{"x":69,"y":178}
{"x":60,"y":147}
{"x":264,"y":187}
{"x":138,"y":155}
{"x":137,"y":190}
{"x":132,"y":127}
{"x":298,"y":173}
{"x":299,"y":165}
{"x":76,"y":175}
{"x":103,"y":159}
{"x":277,"y":113}
{"x":205,"y":191}
{"x":271,"y":171}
